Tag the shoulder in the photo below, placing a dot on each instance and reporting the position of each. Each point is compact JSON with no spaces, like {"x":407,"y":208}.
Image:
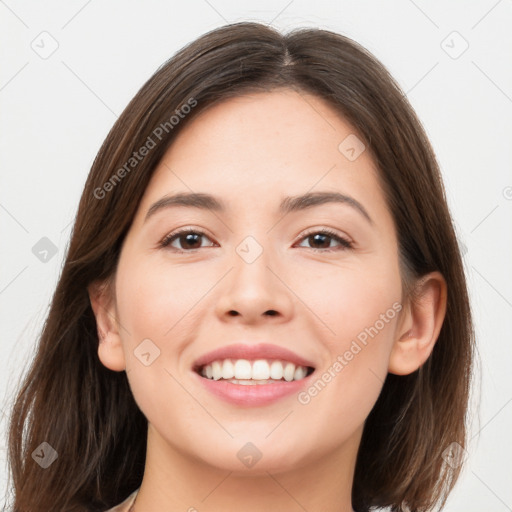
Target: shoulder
{"x":126,"y":504}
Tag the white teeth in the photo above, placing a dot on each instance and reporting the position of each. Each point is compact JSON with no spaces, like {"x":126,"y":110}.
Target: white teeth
{"x":252,"y":382}
{"x":289,"y":370}
{"x":300,"y":373}
{"x":228,"y":370}
{"x":276,"y":370}
{"x":216,"y":370}
{"x":260,"y":370}
{"x":243,"y":371}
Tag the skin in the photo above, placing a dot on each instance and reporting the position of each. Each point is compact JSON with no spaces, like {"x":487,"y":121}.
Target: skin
{"x":251,"y":152}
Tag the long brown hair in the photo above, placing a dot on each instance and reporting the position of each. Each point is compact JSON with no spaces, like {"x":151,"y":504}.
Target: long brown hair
{"x":87,"y":413}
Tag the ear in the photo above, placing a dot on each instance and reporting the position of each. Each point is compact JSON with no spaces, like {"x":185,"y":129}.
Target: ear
{"x":420,"y":325}
{"x":110,"y":347}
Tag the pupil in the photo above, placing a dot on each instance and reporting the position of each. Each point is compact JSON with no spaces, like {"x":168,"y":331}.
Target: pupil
{"x":189,"y":238}
{"x":315,"y":237}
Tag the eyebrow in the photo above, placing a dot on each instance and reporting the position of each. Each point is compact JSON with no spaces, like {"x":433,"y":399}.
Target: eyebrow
{"x":288,"y":204}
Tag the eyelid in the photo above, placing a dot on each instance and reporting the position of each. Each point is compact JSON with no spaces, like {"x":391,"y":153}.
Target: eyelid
{"x":327,"y":230}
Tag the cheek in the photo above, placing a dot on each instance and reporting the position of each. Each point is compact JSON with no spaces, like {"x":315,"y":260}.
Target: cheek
{"x":153,"y":298}
{"x":357,"y":314}
{"x":350,"y":299}
{"x":155,"y":305}
{"x":160,"y":308}
{"x":363,"y":313}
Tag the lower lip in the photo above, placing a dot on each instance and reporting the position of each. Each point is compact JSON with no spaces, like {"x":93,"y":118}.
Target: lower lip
{"x":253,"y":394}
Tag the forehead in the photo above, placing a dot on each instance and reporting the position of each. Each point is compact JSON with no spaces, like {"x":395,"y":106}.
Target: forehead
{"x":253,"y":147}
{"x":284,"y":123}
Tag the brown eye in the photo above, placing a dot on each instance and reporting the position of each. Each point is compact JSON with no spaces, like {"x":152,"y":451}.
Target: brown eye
{"x":324,"y":238}
{"x":188,"y":239}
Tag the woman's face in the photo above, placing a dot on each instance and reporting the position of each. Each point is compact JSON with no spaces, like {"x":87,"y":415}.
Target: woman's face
{"x":260,"y":271}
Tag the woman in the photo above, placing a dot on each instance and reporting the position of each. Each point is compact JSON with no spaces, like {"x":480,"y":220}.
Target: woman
{"x":263,"y":304}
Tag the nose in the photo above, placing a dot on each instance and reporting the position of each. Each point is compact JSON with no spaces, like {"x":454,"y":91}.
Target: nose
{"x":255,"y":292}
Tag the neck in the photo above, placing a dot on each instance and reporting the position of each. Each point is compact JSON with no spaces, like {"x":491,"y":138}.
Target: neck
{"x":174,"y":480}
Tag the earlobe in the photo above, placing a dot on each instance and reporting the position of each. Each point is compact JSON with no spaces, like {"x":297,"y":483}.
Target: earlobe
{"x":420,"y":325}
{"x":110,"y":347}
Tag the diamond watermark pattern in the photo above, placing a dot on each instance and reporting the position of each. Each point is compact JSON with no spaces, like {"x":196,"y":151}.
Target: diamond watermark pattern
{"x":45,"y":455}
{"x":454,"y":45}
{"x":44,"y":250}
{"x":351,"y":147}
{"x":45,"y":45}
{"x":249,"y":455}
{"x":146,"y":352}
{"x":249,"y":249}
{"x":454,"y":455}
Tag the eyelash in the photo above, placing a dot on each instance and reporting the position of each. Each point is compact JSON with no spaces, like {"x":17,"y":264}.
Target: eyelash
{"x":345,"y":243}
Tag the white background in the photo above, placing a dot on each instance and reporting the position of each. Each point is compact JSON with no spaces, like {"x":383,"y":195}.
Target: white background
{"x":56,"y":111}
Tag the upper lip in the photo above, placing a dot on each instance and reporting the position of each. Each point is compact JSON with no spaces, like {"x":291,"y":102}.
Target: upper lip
{"x":251,"y":352}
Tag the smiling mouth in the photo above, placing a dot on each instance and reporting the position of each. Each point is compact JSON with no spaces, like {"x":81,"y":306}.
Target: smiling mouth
{"x":253,"y":372}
